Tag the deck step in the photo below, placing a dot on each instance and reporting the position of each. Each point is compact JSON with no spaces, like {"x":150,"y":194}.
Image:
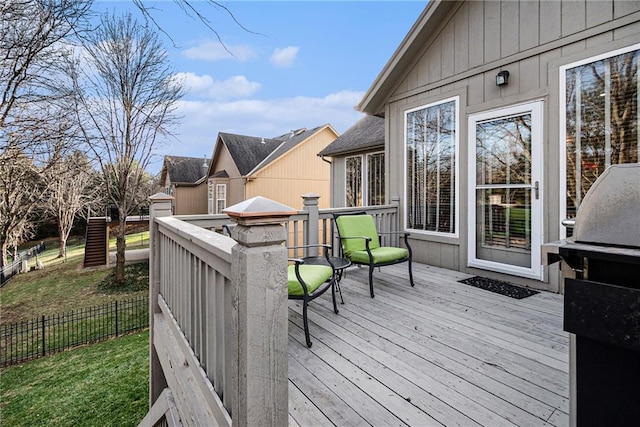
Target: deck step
{"x":95,"y":252}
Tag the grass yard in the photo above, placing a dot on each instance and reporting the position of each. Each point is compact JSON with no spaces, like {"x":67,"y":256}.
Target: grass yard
{"x":64,"y":285}
{"x":59,"y":288}
{"x":134,"y":241}
{"x":104,"y":384}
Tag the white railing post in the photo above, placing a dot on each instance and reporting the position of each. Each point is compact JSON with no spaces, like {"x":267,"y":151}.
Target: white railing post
{"x":310,"y":204}
{"x":259,"y":277}
{"x":160,"y":205}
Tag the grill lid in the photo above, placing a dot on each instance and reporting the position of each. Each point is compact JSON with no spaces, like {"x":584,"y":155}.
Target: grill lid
{"x":610,"y":211}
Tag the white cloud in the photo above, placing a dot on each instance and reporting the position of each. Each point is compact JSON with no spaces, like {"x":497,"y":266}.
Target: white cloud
{"x":285,"y":56}
{"x":206,"y":86}
{"x":202,"y":120}
{"x":214,"y":51}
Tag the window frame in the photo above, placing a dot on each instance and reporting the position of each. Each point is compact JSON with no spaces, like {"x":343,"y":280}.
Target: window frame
{"x":210,"y":196}
{"x":364,"y":182}
{"x":562,"y":120}
{"x":218,"y":199}
{"x":456,"y":160}
{"x":346,"y":187}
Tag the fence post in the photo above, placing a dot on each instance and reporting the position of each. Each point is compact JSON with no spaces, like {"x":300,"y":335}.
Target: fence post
{"x":159,"y":206}
{"x":259,"y":276}
{"x":116,"y":318}
{"x":44,"y":342}
{"x":310,"y":204}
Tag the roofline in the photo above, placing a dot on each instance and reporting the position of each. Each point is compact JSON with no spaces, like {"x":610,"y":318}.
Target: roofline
{"x":347,"y":152}
{"x":260,"y":165}
{"x":372,"y":101}
{"x":257,"y":167}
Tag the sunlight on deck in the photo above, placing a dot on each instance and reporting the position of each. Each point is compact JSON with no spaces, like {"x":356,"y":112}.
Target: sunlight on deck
{"x":442,"y":353}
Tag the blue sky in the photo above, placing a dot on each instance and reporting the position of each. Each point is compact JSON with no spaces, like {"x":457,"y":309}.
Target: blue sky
{"x":308,"y":64}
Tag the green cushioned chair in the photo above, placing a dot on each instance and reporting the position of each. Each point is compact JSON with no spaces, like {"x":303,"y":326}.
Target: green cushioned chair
{"x":360,"y":243}
{"x":308,"y":282}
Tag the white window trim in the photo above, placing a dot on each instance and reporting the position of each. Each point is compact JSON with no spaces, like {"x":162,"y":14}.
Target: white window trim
{"x":456,"y":224}
{"x":562,"y":88}
{"x":535,"y":271}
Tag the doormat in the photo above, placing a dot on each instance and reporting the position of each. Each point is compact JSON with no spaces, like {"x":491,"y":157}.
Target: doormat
{"x":499,"y":287}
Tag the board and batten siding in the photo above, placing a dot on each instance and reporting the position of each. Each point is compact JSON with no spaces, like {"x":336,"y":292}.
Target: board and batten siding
{"x":190,"y":200}
{"x":462,"y":56}
{"x":296,"y":172}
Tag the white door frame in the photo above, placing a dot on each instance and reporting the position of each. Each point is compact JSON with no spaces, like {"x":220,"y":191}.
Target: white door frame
{"x":537,"y":235}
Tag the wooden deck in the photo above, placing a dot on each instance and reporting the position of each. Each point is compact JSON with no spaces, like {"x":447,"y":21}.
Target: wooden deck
{"x":442,"y":353}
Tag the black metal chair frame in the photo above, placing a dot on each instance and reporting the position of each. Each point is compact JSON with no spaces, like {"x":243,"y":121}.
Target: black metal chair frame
{"x":307,"y":296}
{"x":367,"y":240}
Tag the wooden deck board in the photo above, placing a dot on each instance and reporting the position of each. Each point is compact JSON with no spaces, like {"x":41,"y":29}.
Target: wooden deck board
{"x":441,"y":353}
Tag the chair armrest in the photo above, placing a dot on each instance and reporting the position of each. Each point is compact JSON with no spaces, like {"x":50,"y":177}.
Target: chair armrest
{"x":395,"y":232}
{"x":355,"y":237}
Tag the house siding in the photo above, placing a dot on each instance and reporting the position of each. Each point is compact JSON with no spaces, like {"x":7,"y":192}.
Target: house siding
{"x":235,"y":183}
{"x":531,"y":40}
{"x":190,"y":200}
{"x":297,"y":172}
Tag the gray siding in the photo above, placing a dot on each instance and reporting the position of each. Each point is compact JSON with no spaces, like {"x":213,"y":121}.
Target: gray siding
{"x":531,"y":40}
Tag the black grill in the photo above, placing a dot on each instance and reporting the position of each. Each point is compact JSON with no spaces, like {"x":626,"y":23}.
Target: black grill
{"x":602,"y":300}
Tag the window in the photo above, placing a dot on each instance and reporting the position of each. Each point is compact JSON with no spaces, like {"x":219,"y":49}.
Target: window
{"x":431,"y":141}
{"x":600,"y":120}
{"x":367,"y":191}
{"x":221,"y":197}
{"x":210,"y":209}
{"x":354,"y":181}
{"x":375,"y":179}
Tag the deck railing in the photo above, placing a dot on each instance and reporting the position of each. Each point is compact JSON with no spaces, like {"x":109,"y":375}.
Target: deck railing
{"x":218,"y":314}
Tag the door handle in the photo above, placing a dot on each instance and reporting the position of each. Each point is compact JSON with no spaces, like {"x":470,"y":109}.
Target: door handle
{"x":536,"y":188}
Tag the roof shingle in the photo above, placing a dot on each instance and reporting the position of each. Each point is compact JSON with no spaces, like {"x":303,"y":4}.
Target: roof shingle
{"x":184,"y":169}
{"x":366,"y":134}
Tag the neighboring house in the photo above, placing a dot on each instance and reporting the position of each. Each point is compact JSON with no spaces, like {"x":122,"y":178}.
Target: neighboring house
{"x":182,"y":178}
{"x":281,"y":168}
{"x":357,"y":166}
{"x":499,"y":115}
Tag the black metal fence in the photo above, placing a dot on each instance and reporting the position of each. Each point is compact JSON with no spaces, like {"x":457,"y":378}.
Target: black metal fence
{"x":14,"y":268}
{"x":49,"y":334}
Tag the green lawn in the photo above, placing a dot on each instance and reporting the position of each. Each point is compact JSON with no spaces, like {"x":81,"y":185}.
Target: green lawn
{"x":60,"y":286}
{"x":104,"y":384}
{"x":56,"y":289}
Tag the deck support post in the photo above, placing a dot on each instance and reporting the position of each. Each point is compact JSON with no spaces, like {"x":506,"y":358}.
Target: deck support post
{"x":160,"y":205}
{"x":259,"y":276}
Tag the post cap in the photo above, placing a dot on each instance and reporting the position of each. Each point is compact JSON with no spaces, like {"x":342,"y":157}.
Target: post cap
{"x":158,"y":197}
{"x":259,"y":210}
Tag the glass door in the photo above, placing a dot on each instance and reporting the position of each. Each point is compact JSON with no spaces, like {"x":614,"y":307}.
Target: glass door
{"x":505,"y":181}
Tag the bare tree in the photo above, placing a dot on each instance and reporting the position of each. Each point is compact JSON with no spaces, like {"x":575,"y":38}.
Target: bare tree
{"x":129,"y":98}
{"x":68,"y":191}
{"x":35,"y":55}
{"x":20,"y":189}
